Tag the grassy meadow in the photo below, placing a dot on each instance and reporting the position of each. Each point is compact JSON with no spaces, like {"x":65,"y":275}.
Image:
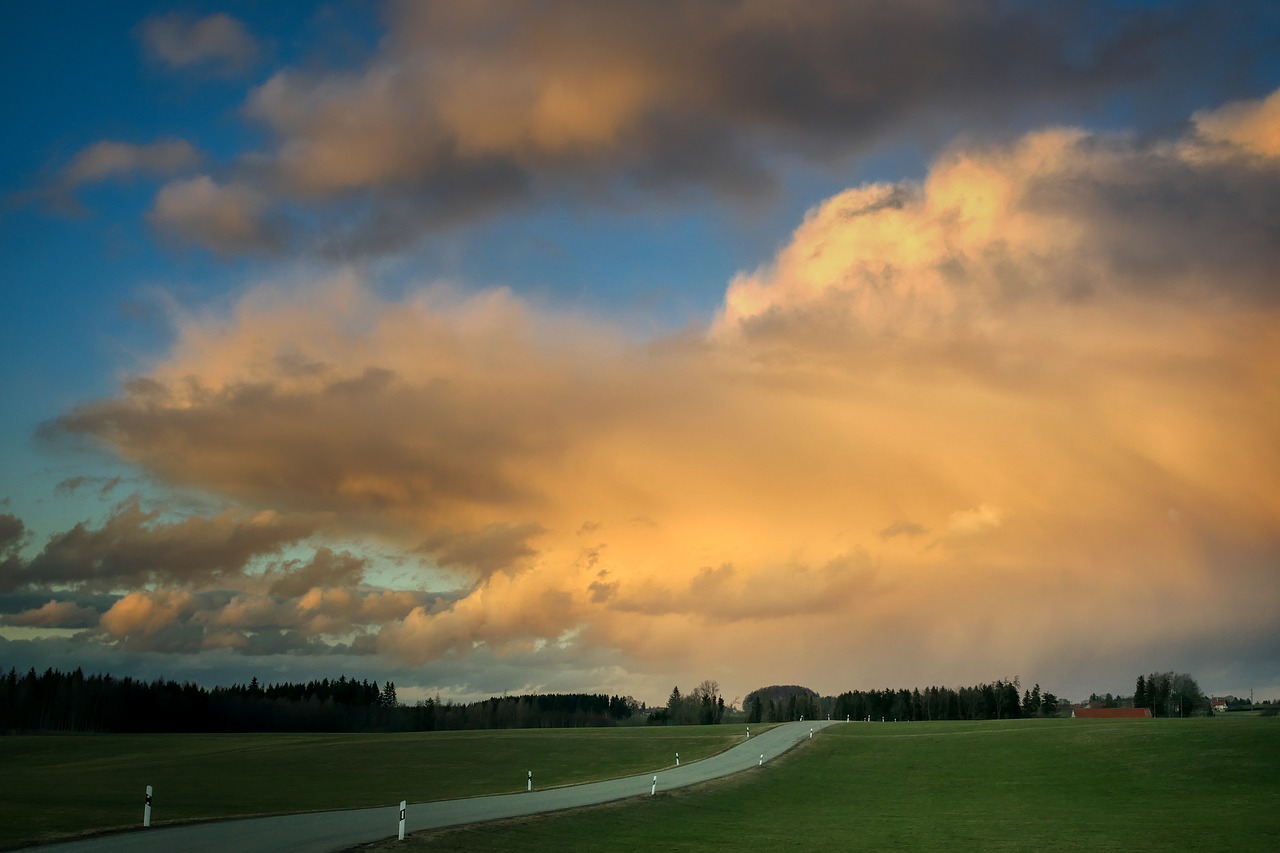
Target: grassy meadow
{"x":1040,"y":785}
{"x":52,"y":786}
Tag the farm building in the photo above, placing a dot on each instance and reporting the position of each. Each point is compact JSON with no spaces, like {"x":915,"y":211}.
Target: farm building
{"x":1112,"y":713}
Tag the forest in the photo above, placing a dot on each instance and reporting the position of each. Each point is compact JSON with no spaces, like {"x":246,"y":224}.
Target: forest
{"x":58,"y":701}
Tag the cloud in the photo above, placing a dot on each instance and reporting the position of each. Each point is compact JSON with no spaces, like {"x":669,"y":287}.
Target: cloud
{"x":145,"y":612}
{"x":326,"y":569}
{"x":217,"y":43}
{"x":903,"y":528}
{"x":975,"y":522}
{"x":226,"y":218}
{"x":104,"y":485}
{"x":135,"y":547}
{"x":1252,"y":126}
{"x":1060,"y":221}
{"x":497,"y":547}
{"x":54,"y":614}
{"x":1029,"y":356}
{"x":110,"y":159}
{"x":114,"y":159}
{"x":12,"y":532}
{"x":462,"y":112}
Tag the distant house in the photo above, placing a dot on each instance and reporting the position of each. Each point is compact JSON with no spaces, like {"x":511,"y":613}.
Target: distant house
{"x":1218,"y":705}
{"x":1112,"y":713}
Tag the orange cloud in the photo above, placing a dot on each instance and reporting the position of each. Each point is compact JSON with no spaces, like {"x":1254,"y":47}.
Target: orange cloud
{"x":54,"y":614}
{"x":1034,"y":387}
{"x":1253,"y":126}
{"x":145,"y":612}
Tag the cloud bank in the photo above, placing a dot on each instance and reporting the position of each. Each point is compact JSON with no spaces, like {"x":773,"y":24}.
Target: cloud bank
{"x":1015,"y":415}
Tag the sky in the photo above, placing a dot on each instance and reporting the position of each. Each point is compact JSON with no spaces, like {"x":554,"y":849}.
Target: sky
{"x":553,"y":347}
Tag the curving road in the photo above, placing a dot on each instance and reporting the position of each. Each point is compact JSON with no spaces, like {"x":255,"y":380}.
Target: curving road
{"x":331,"y":831}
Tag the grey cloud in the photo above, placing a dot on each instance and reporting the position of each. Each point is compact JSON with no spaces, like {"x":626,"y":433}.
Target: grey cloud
{"x":1167,"y":224}
{"x":71,"y":485}
{"x":218,"y":43}
{"x":601,"y":591}
{"x":135,"y":546}
{"x":227,"y":218}
{"x":326,"y":568}
{"x":114,"y":159}
{"x":12,"y":532}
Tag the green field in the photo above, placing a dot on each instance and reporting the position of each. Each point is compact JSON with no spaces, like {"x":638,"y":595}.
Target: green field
{"x":1021,"y":785}
{"x":57,"y":785}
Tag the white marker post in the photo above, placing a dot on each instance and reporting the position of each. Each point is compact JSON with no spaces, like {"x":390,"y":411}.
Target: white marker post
{"x":402,"y":807}
{"x":761,"y":764}
{"x":677,"y":759}
{"x":748,"y":732}
{"x":530,"y":780}
{"x":810,"y":732}
{"x":146,"y":809}
{"x":654,"y":789}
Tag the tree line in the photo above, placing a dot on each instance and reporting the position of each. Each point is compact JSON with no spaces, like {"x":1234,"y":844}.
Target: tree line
{"x":998,"y":700}
{"x":56,"y":701}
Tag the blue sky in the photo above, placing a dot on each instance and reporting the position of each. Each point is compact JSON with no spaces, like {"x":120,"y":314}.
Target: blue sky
{"x":589,"y":272}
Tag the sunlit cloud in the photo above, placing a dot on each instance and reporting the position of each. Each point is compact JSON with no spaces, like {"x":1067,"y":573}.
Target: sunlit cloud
{"x":54,"y":614}
{"x":945,"y":412}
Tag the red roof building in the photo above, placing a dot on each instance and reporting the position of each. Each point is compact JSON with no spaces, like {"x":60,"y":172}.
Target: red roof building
{"x":1112,"y":713}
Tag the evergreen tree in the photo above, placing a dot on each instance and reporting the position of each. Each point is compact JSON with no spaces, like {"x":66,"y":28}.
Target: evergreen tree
{"x":1140,"y":697}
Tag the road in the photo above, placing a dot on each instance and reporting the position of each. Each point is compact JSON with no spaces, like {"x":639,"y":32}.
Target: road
{"x":319,"y":832}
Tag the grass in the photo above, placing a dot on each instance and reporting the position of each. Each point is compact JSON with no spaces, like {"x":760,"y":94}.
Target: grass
{"x":53,"y":786}
{"x":1012,"y":786}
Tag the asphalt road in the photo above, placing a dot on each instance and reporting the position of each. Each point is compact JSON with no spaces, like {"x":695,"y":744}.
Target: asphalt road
{"x":317,"y":832}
